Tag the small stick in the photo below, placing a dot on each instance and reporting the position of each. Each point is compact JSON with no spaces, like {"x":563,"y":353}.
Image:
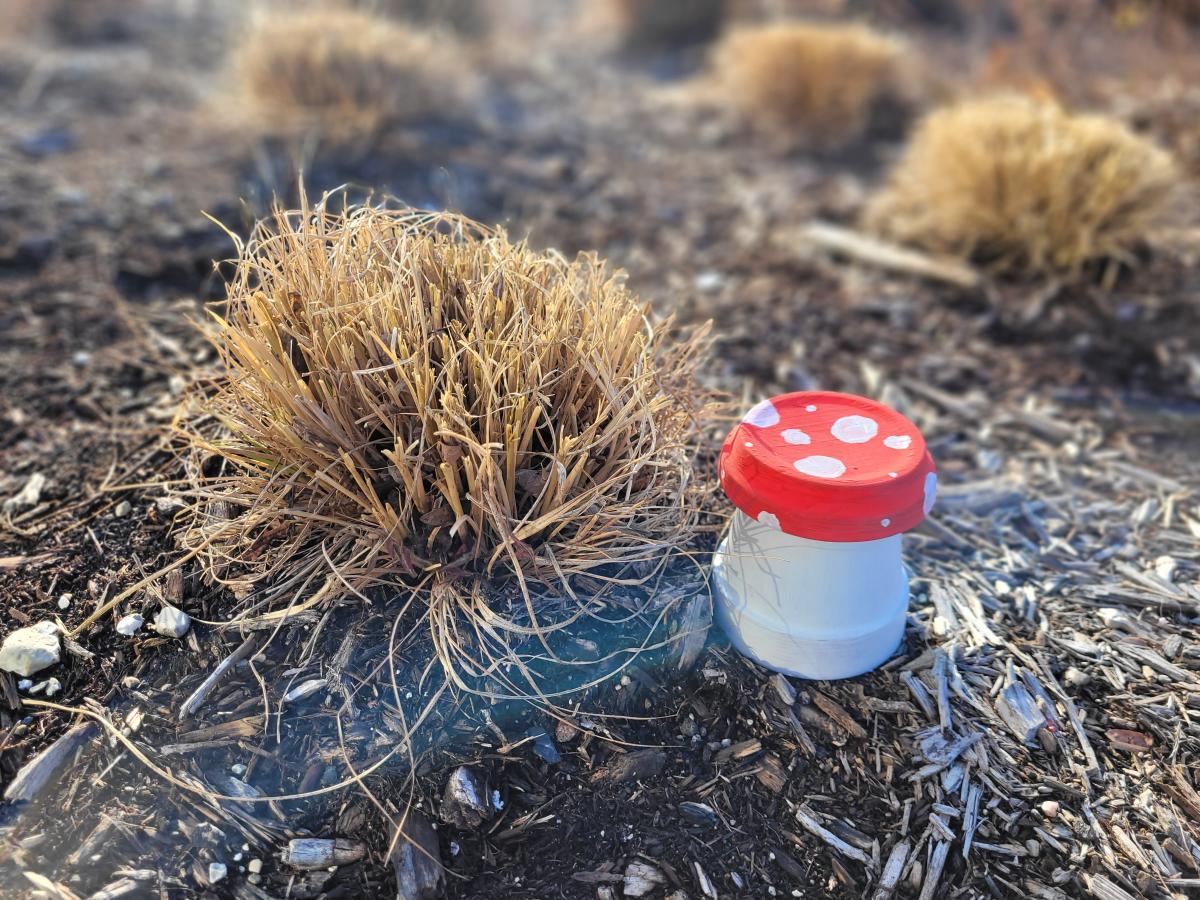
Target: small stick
{"x":885,"y":255}
{"x":198,"y":697}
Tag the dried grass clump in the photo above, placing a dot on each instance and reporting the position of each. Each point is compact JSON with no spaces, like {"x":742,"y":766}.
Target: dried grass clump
{"x":1022,"y":186}
{"x":342,"y":71}
{"x":818,"y":80}
{"x":408,"y":395}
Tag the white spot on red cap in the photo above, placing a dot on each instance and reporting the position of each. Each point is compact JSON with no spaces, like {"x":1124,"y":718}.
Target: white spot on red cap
{"x":770,"y":519}
{"x":810,"y":408}
{"x":885,"y":522}
{"x":854,"y":429}
{"x":930,"y":491}
{"x":891,"y":474}
{"x":898,"y":442}
{"x":763,"y":415}
{"x":749,"y":445}
{"x":820,"y":466}
{"x":796,"y":436}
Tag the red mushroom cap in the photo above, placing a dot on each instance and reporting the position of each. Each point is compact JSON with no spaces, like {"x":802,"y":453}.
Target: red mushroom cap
{"x":829,"y":467}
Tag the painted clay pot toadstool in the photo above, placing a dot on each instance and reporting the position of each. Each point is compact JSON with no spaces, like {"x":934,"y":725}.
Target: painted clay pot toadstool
{"x":809,"y":579}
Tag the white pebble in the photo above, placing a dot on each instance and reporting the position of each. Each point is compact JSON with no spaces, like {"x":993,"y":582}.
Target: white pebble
{"x":172,"y":622}
{"x":216,"y":872}
{"x":130,"y":625}
{"x":29,"y":650}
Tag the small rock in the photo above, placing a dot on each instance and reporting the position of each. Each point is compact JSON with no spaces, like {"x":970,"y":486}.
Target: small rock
{"x":216,"y":872}
{"x":709,"y":281}
{"x":172,"y":622}
{"x":29,"y":650}
{"x":1050,"y":808}
{"x":543,"y":745}
{"x":641,"y":879}
{"x":24,"y":684}
{"x":64,"y":602}
{"x":565,"y":732}
{"x":130,"y":625}
{"x":1076,"y":678}
{"x":123,"y":509}
{"x":254,"y":866}
{"x":49,"y":687}
{"x":465,"y":802}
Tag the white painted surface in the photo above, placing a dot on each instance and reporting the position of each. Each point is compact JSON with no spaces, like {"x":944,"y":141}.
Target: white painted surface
{"x":813,"y":609}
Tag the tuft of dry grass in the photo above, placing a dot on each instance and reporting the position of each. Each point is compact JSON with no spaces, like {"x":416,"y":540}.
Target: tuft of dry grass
{"x":342,"y":71}
{"x":821,"y":81}
{"x":410,"y":398}
{"x":1022,"y":186}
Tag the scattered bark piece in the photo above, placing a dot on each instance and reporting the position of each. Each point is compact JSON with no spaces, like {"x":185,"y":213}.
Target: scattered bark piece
{"x":416,"y":860}
{"x":632,"y":766}
{"x":320,"y":853}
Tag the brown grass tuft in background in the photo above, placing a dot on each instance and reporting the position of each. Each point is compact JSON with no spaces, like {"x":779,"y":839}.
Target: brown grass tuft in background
{"x":342,"y":71}
{"x":818,"y":81}
{"x":409,"y":394}
{"x":1022,"y":186}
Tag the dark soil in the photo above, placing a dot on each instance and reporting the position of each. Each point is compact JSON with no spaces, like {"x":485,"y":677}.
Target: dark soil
{"x":109,"y":154}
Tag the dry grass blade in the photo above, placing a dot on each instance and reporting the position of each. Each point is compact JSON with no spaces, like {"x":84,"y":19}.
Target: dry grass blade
{"x":1023,"y":186}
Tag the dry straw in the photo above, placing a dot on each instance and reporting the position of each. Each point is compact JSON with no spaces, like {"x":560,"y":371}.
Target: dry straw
{"x":342,"y":72}
{"x":818,"y":81}
{"x":1024,"y":187}
{"x":411,"y":398}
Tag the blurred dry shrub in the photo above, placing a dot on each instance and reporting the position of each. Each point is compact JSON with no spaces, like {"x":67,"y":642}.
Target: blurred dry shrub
{"x":341,"y":71}
{"x":1022,"y":186}
{"x":817,"y":81}
{"x":659,"y":23}
{"x":407,"y":394}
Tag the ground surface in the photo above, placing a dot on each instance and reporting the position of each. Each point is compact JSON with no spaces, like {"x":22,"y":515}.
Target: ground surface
{"x":1062,"y":564}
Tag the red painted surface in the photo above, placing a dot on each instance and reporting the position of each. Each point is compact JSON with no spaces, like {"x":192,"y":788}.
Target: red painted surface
{"x":829,"y":466}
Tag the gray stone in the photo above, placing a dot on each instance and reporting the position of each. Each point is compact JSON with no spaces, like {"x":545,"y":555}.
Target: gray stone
{"x":465,"y":801}
{"x":29,"y":650}
{"x":172,"y":622}
{"x":130,"y":625}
